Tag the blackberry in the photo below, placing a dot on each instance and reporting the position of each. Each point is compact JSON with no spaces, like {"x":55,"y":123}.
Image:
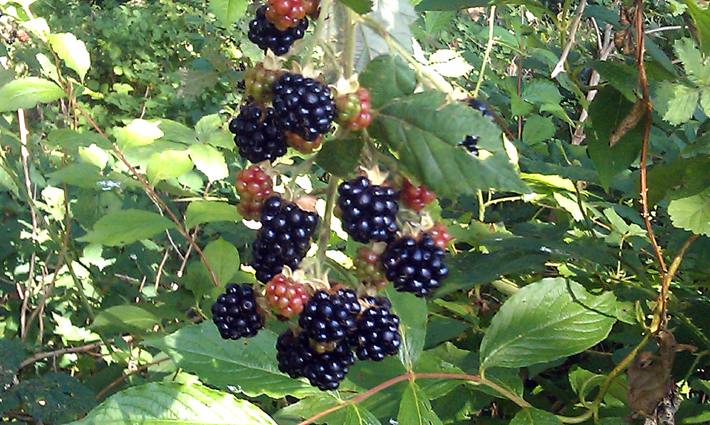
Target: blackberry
{"x":265,"y":35}
{"x":368,"y":211}
{"x":283,"y":239}
{"x":236,"y":312}
{"x":414,"y":266}
{"x":328,"y":318}
{"x":303,"y":106}
{"x":376,"y":332}
{"x":470,"y":143}
{"x":480,"y":106}
{"x":256,"y":135}
{"x":298,"y":357}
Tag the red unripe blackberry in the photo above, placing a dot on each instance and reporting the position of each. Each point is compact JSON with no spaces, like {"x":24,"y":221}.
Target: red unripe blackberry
{"x":414,"y":265}
{"x":329,"y":317}
{"x":416,"y":197}
{"x":368,"y":212}
{"x":312,"y":7}
{"x":303,"y":146}
{"x":284,"y":237}
{"x":250,"y":208}
{"x":376,"y":333}
{"x":284,"y":14}
{"x":303,"y":106}
{"x":258,"y":81}
{"x":255,"y":182}
{"x":354,"y":109}
{"x":265,"y":35}
{"x":256,"y":134}
{"x":236,"y":312}
{"x":22,"y":36}
{"x":440,"y":235}
{"x":368,"y":268}
{"x":285,"y":296}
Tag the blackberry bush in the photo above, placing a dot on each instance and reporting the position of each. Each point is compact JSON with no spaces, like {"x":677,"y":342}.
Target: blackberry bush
{"x":236,"y":312}
{"x":256,"y":134}
{"x":368,"y":212}
{"x":283,"y":239}
{"x":265,"y":35}
{"x":414,"y":265}
{"x":303,"y":106}
{"x":376,"y":332}
{"x":330,"y":317}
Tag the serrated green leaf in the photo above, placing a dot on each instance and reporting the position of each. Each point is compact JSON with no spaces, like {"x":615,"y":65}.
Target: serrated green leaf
{"x":126,"y":226}
{"x":415,"y":408}
{"x":701,"y":19}
{"x":138,"y":133}
{"x":167,"y":165}
{"x":621,"y":76}
{"x":248,"y":366}
{"x":538,"y":129}
{"x":606,"y":112}
{"x":692,"y":213}
{"x":359,"y":6}
{"x":545,"y":321}
{"x":388,"y":77}
{"x":177,"y":132}
{"x":223,"y":258}
{"x":174,"y":403}
{"x":412,"y":314}
{"x":72,"y":51}
{"x":125,"y":318}
{"x":396,"y":16}
{"x":541,"y":92}
{"x":676,"y":102}
{"x":425,"y":136}
{"x":55,"y":398}
{"x":705,"y":100}
{"x":228,"y":11}
{"x":210,"y":161}
{"x":340,"y":156}
{"x":696,"y":66}
{"x":532,"y":416}
{"x":28,"y":92}
{"x":66,"y":138}
{"x":199,"y":212}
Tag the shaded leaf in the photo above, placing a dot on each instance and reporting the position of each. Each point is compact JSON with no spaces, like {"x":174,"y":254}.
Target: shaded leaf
{"x":124,"y":318}
{"x":28,"y":92}
{"x":340,"y":156}
{"x":692,"y":213}
{"x":126,"y":226}
{"x":55,"y":398}
{"x":12,"y":352}
{"x":532,"y":416}
{"x":701,"y":19}
{"x":199,"y":212}
{"x":538,"y":129}
{"x":359,"y":6}
{"x":412,"y":314}
{"x":66,"y":138}
{"x":228,"y":11}
{"x":223,"y":257}
{"x":395,"y":16}
{"x":415,"y":408}
{"x":387,"y":78}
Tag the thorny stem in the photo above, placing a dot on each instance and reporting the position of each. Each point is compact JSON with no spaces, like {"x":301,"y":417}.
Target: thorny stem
{"x":486,"y":53}
{"x":411,"y":376}
{"x":149,"y":190}
{"x":324,"y":233}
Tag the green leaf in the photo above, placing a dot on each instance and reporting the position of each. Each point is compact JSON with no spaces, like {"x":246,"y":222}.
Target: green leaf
{"x":248,"y":366}
{"x":606,"y":112}
{"x":676,"y":102}
{"x":12,"y":353}
{"x":126,"y":226}
{"x":353,"y":414}
{"x":532,"y":416}
{"x":66,"y":138}
{"x":701,"y":19}
{"x":72,"y":51}
{"x":388,"y":77}
{"x":27,"y":92}
{"x":705,"y":100}
{"x":396,"y":16}
{"x":340,"y":156}
{"x":359,"y":6}
{"x":167,"y":165}
{"x":692,"y":213}
{"x":425,"y":135}
{"x":415,"y":408}
{"x":541,"y":92}
{"x":210,"y":161}
{"x":124,"y":318}
{"x":174,"y":403}
{"x":538,"y":129}
{"x":545,"y":321}
{"x":228,"y":11}
{"x":199,"y":212}
{"x":138,"y":133}
{"x":697,"y":67}
{"x":55,"y":398}
{"x":412,"y":314}
{"x":223,"y":257}
{"x":621,"y":76}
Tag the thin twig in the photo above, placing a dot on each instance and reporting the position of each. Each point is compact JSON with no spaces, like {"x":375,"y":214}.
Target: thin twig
{"x":487,"y":52}
{"x":560,"y":67}
{"x":103,"y":392}
{"x":56,"y":353}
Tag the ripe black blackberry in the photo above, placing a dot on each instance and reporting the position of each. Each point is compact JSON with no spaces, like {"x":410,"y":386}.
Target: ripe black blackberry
{"x":256,"y":135}
{"x":376,"y":332}
{"x":298,"y":357}
{"x":329,"y":317}
{"x":368,"y":211}
{"x":284,"y":237}
{"x":480,"y":106}
{"x":265,"y":35}
{"x":236,"y":312}
{"x":303,"y":106}
{"x":471,"y":144}
{"x":414,"y":265}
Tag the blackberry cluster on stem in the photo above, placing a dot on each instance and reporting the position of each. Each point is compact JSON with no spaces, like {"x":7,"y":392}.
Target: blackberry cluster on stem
{"x":414,"y":265}
{"x":265,"y":35}
{"x":368,"y":211}
{"x":329,"y":317}
{"x":236,"y":312}
{"x":283,"y":239}
{"x":256,"y":134}
{"x":303,"y":106}
{"x":376,"y":333}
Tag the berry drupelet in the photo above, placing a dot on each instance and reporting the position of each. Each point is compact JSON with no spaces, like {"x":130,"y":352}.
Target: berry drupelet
{"x":265,"y":35}
{"x":285,"y":297}
{"x":329,"y":317}
{"x":283,"y":239}
{"x":414,"y":265}
{"x":376,"y":332}
{"x":236,"y":312}
{"x":415,"y":197}
{"x":368,"y":211}
{"x":303,"y":106}
{"x":256,"y":134}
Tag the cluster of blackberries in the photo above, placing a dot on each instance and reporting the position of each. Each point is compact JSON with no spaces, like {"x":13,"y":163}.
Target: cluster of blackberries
{"x":471,"y":142}
{"x":414,"y":265}
{"x":279,"y":23}
{"x":368,"y":211}
{"x":284,"y":237}
{"x":236,"y":312}
{"x":332,"y":326}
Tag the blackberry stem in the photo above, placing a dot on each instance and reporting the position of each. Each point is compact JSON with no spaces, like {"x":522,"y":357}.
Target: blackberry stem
{"x":324,"y":232}
{"x":307,"y":48}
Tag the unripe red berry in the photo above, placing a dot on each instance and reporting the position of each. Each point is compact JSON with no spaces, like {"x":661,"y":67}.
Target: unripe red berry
{"x":415,"y":197}
{"x":284,"y":296}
